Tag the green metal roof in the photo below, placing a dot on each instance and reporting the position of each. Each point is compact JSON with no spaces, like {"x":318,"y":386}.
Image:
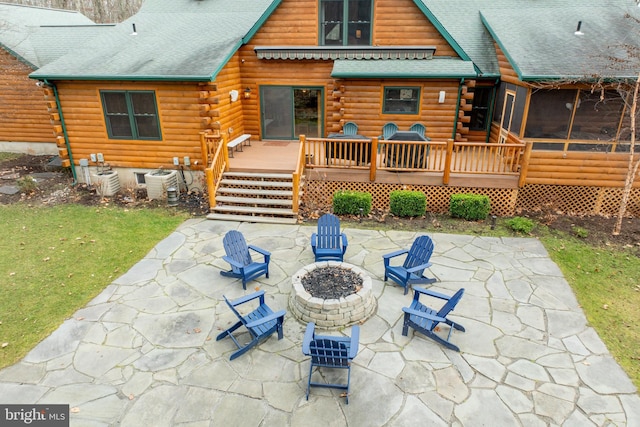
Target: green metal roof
{"x":175,"y":40}
{"x":21,"y":26}
{"x":403,"y":68}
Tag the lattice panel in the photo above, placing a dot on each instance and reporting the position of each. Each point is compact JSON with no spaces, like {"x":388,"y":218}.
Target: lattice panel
{"x":572,"y":200}
{"x":575,"y":200}
{"x":609,"y":202}
{"x":319,"y":194}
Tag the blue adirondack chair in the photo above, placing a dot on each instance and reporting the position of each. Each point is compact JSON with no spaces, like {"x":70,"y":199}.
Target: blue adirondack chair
{"x":420,"y":129}
{"x":415,"y":262}
{"x":350,"y":128}
{"x":425,"y":319}
{"x":330,"y":352}
{"x":238,"y":255}
{"x":260,"y":323}
{"x":329,"y":243}
{"x":388,"y":129}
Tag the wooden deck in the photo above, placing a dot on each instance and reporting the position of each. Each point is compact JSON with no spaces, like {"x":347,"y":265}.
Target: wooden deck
{"x":280,"y":157}
{"x":266,"y":156}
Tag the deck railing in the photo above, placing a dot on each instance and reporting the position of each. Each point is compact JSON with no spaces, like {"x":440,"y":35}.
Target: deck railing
{"x":443,"y":157}
{"x":297,"y":174}
{"x":216,"y":162}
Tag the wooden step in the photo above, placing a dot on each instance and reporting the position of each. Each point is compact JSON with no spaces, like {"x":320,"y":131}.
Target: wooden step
{"x":253,"y":201}
{"x":256,"y":183}
{"x":258,"y":175}
{"x":249,"y":218}
{"x":254,"y":210}
{"x":255,"y":192}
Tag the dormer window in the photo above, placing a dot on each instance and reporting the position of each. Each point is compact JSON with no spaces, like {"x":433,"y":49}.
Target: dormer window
{"x":345,"y":22}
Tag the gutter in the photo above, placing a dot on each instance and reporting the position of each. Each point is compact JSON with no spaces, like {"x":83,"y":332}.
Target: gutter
{"x":64,"y":131}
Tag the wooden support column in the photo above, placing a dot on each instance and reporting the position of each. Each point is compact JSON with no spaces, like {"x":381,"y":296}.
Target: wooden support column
{"x":447,"y":163}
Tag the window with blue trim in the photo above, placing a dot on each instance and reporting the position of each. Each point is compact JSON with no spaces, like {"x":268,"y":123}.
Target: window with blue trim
{"x":401,"y":100}
{"x":131,"y":114}
{"x":345,"y":22}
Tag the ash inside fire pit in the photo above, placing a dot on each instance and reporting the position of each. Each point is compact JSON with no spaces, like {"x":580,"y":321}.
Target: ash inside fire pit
{"x":331,"y":282}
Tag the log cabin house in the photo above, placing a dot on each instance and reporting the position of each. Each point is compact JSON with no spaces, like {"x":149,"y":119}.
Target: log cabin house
{"x":26,"y":35}
{"x":518,"y":101}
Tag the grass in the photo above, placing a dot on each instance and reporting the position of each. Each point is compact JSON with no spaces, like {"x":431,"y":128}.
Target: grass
{"x":605,"y":281}
{"x":54,"y":260}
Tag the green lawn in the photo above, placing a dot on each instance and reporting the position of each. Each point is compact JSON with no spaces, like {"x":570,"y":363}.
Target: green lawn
{"x":53,"y":260}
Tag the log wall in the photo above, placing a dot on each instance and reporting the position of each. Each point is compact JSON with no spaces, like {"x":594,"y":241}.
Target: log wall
{"x":395,"y":23}
{"x":578,"y":168}
{"x":23,"y":111}
{"x":507,"y":73}
{"x":179,"y":114}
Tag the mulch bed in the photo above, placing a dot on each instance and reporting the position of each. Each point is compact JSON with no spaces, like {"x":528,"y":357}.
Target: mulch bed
{"x":331,"y":282}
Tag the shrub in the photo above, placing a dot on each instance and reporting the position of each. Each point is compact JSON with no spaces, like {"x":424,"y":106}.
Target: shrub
{"x":27,"y":184}
{"x":580,"y":232}
{"x":520,"y":224}
{"x":347,"y":202}
{"x":407,"y":203}
{"x":471,"y":207}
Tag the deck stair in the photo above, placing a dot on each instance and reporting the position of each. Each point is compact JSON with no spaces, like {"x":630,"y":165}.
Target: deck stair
{"x":255,"y":197}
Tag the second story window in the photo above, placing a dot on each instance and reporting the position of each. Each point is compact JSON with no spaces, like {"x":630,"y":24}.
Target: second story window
{"x":345,"y":22}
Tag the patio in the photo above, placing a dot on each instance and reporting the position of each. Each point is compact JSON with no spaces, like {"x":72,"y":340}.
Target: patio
{"x":143,"y":353}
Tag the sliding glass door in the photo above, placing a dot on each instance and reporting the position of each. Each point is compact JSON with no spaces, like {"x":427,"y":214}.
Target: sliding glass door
{"x":288,"y":112}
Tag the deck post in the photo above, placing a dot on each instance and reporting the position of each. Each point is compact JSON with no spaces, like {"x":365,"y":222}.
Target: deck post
{"x":225,"y":151}
{"x":208,"y":172}
{"x":447,"y":162}
{"x":203,"y":148}
{"x":374,"y":159}
{"x":524,"y":166}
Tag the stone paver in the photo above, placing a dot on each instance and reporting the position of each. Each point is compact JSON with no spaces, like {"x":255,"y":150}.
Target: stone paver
{"x":144,"y":351}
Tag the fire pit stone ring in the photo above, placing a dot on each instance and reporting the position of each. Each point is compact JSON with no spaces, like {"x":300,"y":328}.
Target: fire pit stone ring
{"x":332,"y":313}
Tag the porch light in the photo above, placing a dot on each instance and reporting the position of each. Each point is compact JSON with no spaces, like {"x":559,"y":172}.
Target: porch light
{"x":247,"y":93}
{"x":441,"y":97}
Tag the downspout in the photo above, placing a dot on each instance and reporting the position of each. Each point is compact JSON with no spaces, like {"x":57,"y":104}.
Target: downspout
{"x":490,"y":111}
{"x":64,"y":131}
{"x":455,"y":120}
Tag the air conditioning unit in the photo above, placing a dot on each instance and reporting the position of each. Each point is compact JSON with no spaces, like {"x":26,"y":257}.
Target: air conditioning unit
{"x":158,"y":182}
{"x":106,"y":183}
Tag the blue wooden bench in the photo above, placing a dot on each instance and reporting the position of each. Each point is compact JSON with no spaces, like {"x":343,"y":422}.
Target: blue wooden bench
{"x":238,"y":142}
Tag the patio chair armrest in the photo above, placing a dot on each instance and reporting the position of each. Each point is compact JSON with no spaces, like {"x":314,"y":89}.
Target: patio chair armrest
{"x":344,"y":242}
{"x":233,"y":262}
{"x":247,"y":298}
{"x":314,"y":239}
{"x":431,"y":293}
{"x":419,"y":267}
{"x":355,"y":339}
{"x":260,"y":250}
{"x":265,"y":319}
{"x":423,"y":314}
{"x":309,"y":335}
{"x":395,"y":253}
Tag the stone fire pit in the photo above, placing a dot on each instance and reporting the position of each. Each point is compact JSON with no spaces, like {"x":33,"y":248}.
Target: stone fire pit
{"x":332,"y":313}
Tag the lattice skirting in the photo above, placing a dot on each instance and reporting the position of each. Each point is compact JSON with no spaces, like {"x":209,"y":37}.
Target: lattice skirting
{"x":570,"y":200}
{"x":320,"y":193}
